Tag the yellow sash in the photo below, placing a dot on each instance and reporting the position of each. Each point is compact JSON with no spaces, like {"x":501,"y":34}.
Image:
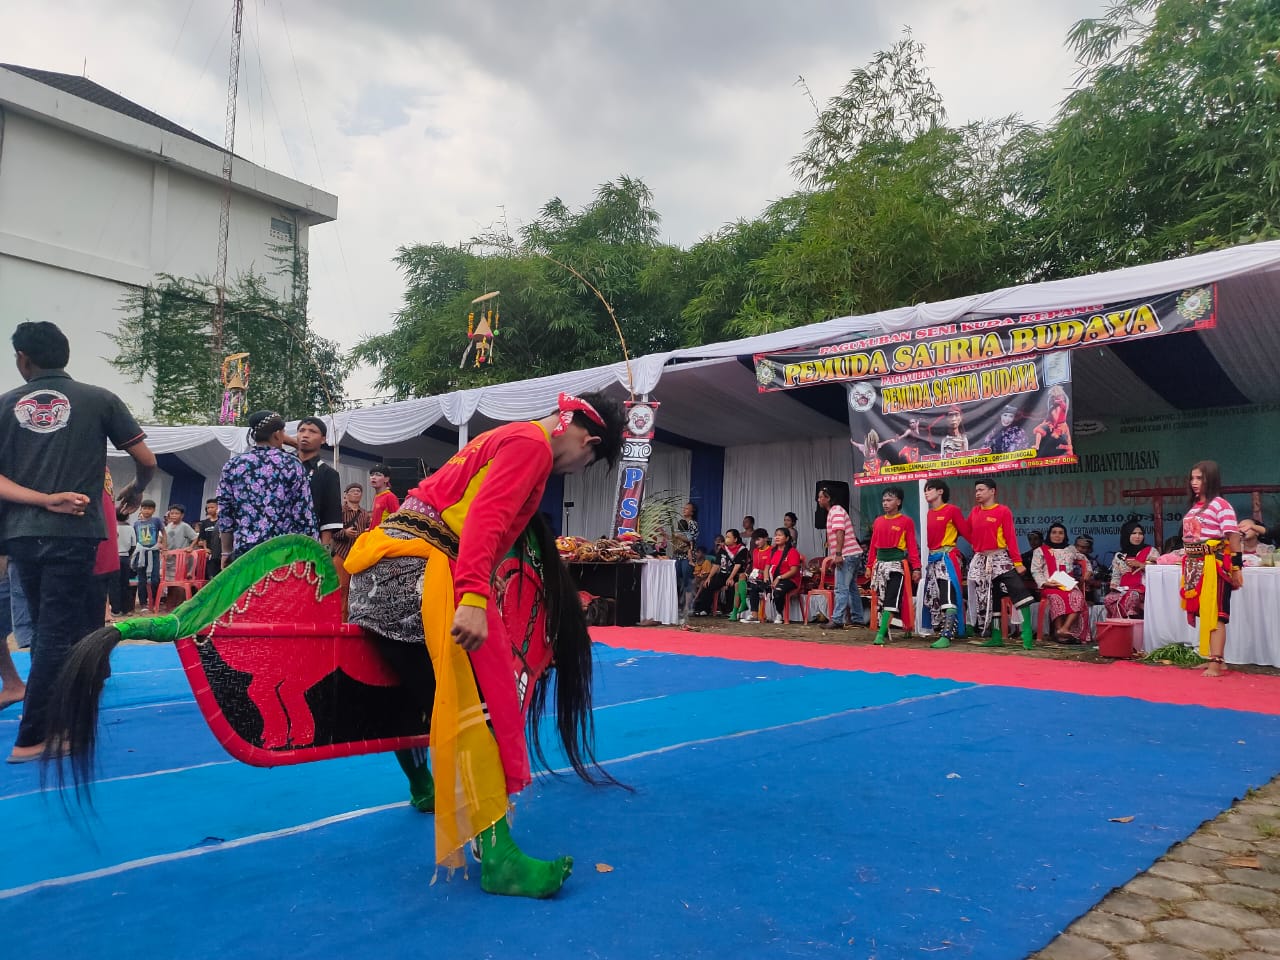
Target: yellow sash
{"x":1207,"y":590}
{"x":471,"y":790}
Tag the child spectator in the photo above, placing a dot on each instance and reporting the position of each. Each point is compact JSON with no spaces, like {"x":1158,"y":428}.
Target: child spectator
{"x":148,"y":531}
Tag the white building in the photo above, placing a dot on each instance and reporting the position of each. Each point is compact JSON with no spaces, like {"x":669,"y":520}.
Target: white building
{"x":98,"y":195}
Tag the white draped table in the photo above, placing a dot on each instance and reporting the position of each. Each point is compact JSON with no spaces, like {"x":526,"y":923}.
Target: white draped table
{"x":659,"y":600}
{"x":1253,"y":635}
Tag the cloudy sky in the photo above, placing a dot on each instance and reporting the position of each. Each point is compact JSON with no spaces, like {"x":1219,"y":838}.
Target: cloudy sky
{"x":429,"y":119}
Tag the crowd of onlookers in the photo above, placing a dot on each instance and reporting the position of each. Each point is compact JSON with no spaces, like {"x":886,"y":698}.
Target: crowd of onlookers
{"x":747,"y":564}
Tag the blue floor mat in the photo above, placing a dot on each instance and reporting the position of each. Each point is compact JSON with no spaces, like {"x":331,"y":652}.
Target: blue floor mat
{"x":805,"y":814}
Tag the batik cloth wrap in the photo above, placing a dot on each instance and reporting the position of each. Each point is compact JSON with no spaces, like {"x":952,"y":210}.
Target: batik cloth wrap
{"x":942,"y":566}
{"x":888,"y":592}
{"x":1206,"y":584}
{"x":985,"y":569}
{"x":474,"y":772}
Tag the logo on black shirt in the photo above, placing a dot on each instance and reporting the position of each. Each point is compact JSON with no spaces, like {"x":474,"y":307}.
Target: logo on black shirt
{"x":43,"y":411}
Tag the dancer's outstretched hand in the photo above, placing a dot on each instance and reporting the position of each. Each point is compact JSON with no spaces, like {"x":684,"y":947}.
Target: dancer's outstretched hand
{"x":470,"y":627}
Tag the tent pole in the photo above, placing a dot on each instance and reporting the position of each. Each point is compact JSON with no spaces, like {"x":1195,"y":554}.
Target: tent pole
{"x":463,"y":435}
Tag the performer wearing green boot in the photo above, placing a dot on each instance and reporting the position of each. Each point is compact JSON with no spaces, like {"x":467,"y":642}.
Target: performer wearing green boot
{"x":944,"y":526}
{"x":893,"y":539}
{"x":434,"y":572}
{"x":996,"y":568}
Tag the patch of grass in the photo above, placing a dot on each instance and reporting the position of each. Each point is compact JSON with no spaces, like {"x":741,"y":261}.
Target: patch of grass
{"x":1176,"y":654}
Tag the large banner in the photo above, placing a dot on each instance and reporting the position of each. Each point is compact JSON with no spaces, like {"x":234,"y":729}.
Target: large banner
{"x":984,"y":418}
{"x":988,"y":338}
{"x":1122,"y":454}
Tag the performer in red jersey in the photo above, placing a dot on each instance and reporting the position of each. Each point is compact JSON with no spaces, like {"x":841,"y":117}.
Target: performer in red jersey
{"x":893,"y":539}
{"x":996,"y":568}
{"x":427,"y":573}
{"x":945,"y":524}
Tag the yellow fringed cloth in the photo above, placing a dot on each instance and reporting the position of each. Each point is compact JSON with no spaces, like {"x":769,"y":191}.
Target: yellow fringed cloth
{"x":1206,"y":567}
{"x":471,"y":793}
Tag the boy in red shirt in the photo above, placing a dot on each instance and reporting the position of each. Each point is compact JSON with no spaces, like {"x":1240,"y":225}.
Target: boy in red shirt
{"x":945,"y":524}
{"x":747,"y":593}
{"x":996,"y":567}
{"x":385,"y":502}
{"x":893,"y":539}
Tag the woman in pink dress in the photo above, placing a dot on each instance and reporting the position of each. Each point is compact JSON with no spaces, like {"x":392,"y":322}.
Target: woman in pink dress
{"x":1128,"y":574}
{"x":1068,"y":614}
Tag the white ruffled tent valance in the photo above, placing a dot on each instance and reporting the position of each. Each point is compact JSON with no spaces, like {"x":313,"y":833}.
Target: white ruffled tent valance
{"x":1245,"y":346}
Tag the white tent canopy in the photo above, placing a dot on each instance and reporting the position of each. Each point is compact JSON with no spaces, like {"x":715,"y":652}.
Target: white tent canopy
{"x":708,"y":394}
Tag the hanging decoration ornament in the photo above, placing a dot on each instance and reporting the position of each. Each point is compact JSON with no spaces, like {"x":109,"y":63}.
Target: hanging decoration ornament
{"x":235,"y":383}
{"x":482,"y":327}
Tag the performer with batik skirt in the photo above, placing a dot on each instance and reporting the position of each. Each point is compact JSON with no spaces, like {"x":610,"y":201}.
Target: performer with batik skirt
{"x":427,"y":572}
{"x":1211,"y":563}
{"x":893,"y":539}
{"x":945,"y":524}
{"x":996,"y":568}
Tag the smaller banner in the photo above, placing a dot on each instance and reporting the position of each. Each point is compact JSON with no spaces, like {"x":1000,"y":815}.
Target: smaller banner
{"x":987,"y":338}
{"x":985,"y":418}
{"x":637,"y":447}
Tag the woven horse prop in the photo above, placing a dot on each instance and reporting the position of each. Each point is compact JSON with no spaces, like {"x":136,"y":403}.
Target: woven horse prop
{"x":277,"y":674}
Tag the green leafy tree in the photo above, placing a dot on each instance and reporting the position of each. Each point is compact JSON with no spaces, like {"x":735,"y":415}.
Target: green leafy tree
{"x":166,"y":336}
{"x":551,"y":318}
{"x":899,"y":208}
{"x":1168,"y":143}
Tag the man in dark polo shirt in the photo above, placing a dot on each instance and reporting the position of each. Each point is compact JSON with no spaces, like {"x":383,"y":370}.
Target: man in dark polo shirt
{"x":53,"y":437}
{"x":326,"y":485}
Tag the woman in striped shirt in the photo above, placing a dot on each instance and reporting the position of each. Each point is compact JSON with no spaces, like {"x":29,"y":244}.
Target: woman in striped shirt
{"x":1211,"y":563}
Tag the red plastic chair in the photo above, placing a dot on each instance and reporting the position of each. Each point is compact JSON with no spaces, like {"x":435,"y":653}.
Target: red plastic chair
{"x":826,"y":587}
{"x":181,"y":570}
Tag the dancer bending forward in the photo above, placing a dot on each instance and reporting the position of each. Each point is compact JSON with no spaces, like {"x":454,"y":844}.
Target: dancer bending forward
{"x":426,"y":573}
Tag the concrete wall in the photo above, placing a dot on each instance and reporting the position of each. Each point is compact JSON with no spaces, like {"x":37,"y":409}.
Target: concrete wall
{"x":84,"y":220}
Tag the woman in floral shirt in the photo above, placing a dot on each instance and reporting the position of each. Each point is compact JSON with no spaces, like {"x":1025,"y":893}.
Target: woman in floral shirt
{"x":263,"y":492}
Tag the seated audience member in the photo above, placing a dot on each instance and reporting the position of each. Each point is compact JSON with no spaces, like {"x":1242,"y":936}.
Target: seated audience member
{"x":748,"y":530}
{"x":732,"y":561}
{"x":1128,"y":573}
{"x":703,"y":567}
{"x":742,"y":605}
{"x":789,"y":523}
{"x":1171,"y":552}
{"x":780,"y":575}
{"x":1068,"y":614}
{"x":1253,"y":535}
{"x":1092,"y":582}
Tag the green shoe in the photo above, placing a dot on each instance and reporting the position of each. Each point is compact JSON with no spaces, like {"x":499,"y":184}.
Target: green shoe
{"x":883,"y":633}
{"x":1028,"y":638}
{"x":940,"y":644}
{"x":422,"y":786}
{"x":504,"y":870}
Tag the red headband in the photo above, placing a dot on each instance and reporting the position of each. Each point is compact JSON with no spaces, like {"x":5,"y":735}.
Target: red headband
{"x":569,"y":405}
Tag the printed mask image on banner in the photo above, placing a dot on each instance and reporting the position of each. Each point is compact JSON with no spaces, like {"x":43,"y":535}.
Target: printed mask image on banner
{"x":977,"y":419}
{"x":985,"y":338}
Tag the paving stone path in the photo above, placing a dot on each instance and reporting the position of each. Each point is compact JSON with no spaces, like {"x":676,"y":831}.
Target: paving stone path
{"x":1214,"y":897}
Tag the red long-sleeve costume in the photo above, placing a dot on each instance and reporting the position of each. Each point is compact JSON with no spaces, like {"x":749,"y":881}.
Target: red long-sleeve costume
{"x":894,"y":533}
{"x":502,"y":474}
{"x":944,"y":526}
{"x":991,"y":528}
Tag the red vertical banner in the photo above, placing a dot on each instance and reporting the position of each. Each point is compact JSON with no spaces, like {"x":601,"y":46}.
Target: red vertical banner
{"x":637,"y":446}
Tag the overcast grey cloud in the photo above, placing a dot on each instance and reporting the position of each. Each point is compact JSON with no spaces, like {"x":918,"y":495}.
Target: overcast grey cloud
{"x":428,"y":120}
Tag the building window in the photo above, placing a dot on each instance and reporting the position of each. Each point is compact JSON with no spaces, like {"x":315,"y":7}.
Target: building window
{"x":281,"y":229}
